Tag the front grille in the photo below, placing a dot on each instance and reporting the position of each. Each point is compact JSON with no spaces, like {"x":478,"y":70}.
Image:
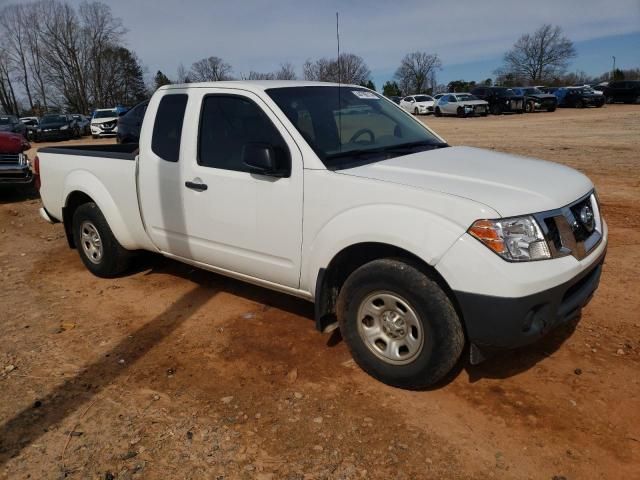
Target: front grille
{"x":108,"y":125}
{"x":572,"y":230}
{"x":13,"y":159}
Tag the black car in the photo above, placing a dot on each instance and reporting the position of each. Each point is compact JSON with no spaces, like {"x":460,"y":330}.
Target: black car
{"x":12,"y":124}
{"x":627,"y":91}
{"x":129,"y":124}
{"x":500,"y":99}
{"x":536,"y":99}
{"x":84,"y":123}
{"x":579,"y":97}
{"x":57,"y":126}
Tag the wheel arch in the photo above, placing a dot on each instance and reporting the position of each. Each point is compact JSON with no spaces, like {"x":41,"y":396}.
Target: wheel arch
{"x":81,"y":187}
{"x":331,"y":278}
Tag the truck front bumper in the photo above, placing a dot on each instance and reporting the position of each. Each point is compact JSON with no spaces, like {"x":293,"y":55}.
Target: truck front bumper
{"x":502,"y":322}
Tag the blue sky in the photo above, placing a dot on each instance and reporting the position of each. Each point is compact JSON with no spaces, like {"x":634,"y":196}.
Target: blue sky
{"x":469,"y":36}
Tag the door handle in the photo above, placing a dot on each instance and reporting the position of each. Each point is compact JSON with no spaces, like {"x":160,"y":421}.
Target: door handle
{"x":198,"y":187}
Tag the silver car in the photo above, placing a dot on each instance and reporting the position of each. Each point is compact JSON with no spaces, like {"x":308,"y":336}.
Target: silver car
{"x":461,"y":104}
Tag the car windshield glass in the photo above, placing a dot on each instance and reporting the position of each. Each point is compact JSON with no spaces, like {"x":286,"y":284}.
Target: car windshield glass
{"x":532,"y":90}
{"x":53,"y":119}
{"x":5,"y":120}
{"x":423,"y":98}
{"x":466,"y":97}
{"x":348,"y":126}
{"x":505,"y":92}
{"x":105,"y":114}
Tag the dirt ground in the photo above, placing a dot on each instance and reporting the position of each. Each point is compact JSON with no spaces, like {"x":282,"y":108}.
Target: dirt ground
{"x":176,"y":373}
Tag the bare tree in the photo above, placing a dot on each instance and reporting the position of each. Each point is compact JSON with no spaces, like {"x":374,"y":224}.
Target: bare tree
{"x":14,"y":35}
{"x":286,"y":72}
{"x":210,"y":69}
{"x":541,"y":56}
{"x":259,"y":76}
{"x":348,"y":68}
{"x":101,"y":32}
{"x":182,"y":76}
{"x":416,"y":73}
{"x":8,"y":100}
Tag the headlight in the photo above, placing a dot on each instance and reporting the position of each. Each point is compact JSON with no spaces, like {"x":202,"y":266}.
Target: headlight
{"x":64,"y":127}
{"x":518,"y":239}
{"x":39,"y":130}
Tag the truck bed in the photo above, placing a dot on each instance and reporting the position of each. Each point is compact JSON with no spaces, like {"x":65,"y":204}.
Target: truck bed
{"x":127,"y":151}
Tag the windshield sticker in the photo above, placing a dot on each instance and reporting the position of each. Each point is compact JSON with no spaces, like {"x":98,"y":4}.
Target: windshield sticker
{"x":363,"y":94}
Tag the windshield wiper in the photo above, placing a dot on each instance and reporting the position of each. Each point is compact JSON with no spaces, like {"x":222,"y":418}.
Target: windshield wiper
{"x":400,"y":148}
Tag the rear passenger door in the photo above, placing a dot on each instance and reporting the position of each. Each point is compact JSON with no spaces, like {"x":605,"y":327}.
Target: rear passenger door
{"x":235,"y":220}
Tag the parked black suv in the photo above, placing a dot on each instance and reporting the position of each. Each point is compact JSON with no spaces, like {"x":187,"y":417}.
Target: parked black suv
{"x":627,"y":91}
{"x":11,"y":124}
{"x":500,"y":99}
{"x":536,"y":99}
{"x":129,"y":124}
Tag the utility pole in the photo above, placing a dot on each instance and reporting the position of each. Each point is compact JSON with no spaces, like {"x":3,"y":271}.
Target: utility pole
{"x":613,"y":72}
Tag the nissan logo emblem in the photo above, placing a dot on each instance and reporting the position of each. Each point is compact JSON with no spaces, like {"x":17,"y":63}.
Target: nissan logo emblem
{"x":587,"y":219}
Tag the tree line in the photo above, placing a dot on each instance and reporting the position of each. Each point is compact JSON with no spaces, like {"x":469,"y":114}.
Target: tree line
{"x":60,"y":58}
{"x":54,"y":57}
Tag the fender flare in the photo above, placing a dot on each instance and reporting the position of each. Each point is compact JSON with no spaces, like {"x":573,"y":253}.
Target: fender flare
{"x":87,"y":183}
{"x":431,"y":236}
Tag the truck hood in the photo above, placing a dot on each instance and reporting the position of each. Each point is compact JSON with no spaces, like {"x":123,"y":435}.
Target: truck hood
{"x":13,"y":143}
{"x":509,"y":184}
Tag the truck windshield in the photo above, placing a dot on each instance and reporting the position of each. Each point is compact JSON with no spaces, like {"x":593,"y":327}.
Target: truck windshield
{"x":349,"y":126}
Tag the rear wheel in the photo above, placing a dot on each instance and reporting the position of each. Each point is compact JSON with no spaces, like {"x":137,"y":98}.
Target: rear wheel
{"x":399,"y":324}
{"x":99,"y":250}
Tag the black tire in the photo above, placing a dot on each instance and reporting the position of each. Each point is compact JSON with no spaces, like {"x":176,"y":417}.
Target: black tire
{"x":551,"y":109}
{"x":442,"y":333}
{"x":114,"y":259}
{"x":460,"y":112}
{"x":530,"y":107}
{"x":484,"y":114}
{"x":579,"y":104}
{"x":438,"y":112}
{"x":416,"y":112}
{"x":94,"y":137}
{"x":496,"y":109}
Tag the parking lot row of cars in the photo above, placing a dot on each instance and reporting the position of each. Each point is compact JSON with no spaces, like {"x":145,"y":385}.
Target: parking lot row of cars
{"x":497,"y":100}
{"x":63,"y":126}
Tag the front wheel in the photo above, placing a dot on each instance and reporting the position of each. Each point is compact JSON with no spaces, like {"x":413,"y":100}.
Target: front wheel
{"x":496,"y":109}
{"x":416,"y":112}
{"x":438,"y":112}
{"x":400,"y":326}
{"x":529,"y":107}
{"x":99,"y":249}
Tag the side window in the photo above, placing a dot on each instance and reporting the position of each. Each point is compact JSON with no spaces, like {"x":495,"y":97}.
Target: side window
{"x":453,"y":99}
{"x":167,"y":128}
{"x":227,"y":124}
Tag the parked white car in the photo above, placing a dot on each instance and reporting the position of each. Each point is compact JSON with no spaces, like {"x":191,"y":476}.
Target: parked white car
{"x":413,"y":248}
{"x":417,"y":104}
{"x":104,"y":122}
{"x":461,"y":104}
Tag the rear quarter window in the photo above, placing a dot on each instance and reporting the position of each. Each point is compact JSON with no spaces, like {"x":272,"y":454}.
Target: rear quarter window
{"x":167,"y":128}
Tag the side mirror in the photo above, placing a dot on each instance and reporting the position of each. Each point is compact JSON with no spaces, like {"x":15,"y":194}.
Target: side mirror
{"x":261,"y":159}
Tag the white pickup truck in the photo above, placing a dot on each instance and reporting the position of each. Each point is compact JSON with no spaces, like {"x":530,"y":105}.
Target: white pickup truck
{"x":413,"y":248}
